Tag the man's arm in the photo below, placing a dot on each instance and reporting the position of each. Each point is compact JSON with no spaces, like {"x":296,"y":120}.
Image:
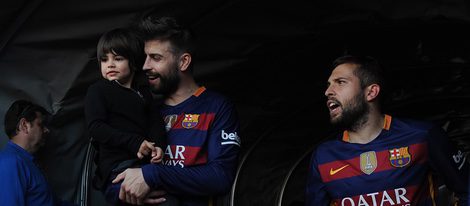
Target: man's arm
{"x":200,"y":181}
{"x":211,"y":179}
{"x":315,"y":192}
{"x":12,"y":181}
{"x":450,"y":164}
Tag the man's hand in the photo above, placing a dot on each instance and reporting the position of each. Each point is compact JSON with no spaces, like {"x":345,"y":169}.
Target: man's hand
{"x":134,"y":189}
{"x":155,"y":197}
{"x":146,"y":148}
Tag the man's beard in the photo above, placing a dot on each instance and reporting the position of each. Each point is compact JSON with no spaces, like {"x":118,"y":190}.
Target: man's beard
{"x":354,"y":114}
{"x":168,"y":83}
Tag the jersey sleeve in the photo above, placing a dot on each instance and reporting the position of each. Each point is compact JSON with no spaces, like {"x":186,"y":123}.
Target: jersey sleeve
{"x":13,"y":181}
{"x":96,"y":118}
{"x":315,"y":192}
{"x":213,"y":178}
{"x":450,"y":164}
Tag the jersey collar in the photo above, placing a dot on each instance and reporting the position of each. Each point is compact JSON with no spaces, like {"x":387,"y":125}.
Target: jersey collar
{"x":386,"y":126}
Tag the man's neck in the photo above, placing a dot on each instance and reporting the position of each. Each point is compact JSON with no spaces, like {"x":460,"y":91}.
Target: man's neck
{"x":369,"y":130}
{"x":21,"y":143}
{"x":184,"y":91}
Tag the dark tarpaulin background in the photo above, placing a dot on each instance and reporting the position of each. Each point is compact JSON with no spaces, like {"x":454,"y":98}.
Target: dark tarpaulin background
{"x":271,"y":58}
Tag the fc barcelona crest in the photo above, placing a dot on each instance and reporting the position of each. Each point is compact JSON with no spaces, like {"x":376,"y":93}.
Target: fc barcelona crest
{"x":190,"y":120}
{"x":368,"y":162}
{"x":400,"y":157}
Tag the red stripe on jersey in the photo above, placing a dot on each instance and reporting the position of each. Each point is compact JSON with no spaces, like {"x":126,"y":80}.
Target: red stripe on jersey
{"x":397,"y":196}
{"x":352,"y":167}
{"x":201,"y":122}
{"x":185,"y":155}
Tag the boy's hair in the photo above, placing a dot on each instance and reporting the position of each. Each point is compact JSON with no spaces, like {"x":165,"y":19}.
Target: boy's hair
{"x":123,"y":42}
{"x":152,"y":27}
{"x":22,"y":109}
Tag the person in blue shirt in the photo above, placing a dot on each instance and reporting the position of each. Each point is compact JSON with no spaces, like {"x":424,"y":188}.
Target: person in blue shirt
{"x":21,"y":181}
{"x":201,"y":157}
{"x":377,"y":159}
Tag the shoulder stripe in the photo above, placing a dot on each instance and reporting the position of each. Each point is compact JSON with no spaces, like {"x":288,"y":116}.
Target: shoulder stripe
{"x":387,"y":122}
{"x":199,"y":91}
{"x":345,"y":136}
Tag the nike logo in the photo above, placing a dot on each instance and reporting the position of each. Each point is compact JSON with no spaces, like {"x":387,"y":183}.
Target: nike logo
{"x":332,"y":172}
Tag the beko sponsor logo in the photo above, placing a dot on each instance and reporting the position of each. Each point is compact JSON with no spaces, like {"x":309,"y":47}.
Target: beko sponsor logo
{"x":230,"y":138}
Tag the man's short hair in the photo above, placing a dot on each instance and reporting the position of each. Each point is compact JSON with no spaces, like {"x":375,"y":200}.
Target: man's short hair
{"x":151,"y":27}
{"x":368,"y":69}
{"x":22,"y":109}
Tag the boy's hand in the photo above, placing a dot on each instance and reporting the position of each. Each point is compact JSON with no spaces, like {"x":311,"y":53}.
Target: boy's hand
{"x":157,"y":155}
{"x":146,"y":148}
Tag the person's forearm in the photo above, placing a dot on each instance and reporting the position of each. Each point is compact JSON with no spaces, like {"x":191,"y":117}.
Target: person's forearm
{"x":205,"y":180}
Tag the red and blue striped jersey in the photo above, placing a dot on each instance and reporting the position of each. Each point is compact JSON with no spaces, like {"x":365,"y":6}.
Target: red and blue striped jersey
{"x":396,"y":168}
{"x":203,"y":145}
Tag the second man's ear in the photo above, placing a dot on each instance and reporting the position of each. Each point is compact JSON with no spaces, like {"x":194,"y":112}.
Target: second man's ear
{"x":372,"y":92}
{"x":22,"y":125}
{"x":185,"y":61}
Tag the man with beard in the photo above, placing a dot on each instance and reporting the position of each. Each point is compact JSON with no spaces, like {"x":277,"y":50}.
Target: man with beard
{"x":377,"y":159}
{"x":202,"y":127}
{"x":21,"y":181}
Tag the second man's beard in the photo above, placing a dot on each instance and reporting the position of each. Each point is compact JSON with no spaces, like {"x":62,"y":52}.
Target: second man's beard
{"x":168,"y":83}
{"x":353,"y":115}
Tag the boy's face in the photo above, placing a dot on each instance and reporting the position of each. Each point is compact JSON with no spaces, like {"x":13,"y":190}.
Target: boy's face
{"x":116,"y":67}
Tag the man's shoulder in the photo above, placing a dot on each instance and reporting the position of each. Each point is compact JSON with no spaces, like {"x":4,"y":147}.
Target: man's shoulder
{"x":409,"y":124}
{"x":213,"y":99}
{"x":8,"y":157}
{"x":329,"y":143}
{"x":210,"y":94}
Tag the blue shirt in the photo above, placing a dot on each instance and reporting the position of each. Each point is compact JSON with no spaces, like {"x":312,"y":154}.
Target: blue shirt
{"x":21,"y":181}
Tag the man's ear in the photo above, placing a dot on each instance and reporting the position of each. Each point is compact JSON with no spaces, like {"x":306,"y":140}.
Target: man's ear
{"x":185,"y":61}
{"x":22,"y":125}
{"x":372,"y":92}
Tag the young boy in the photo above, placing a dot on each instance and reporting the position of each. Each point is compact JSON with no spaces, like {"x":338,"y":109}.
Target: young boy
{"x":117,"y":111}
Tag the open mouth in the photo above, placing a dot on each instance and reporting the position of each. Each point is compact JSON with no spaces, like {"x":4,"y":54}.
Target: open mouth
{"x":333,"y":105}
{"x":151,"y":76}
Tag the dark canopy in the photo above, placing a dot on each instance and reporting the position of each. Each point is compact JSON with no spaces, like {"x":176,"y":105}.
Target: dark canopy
{"x":272,"y":58}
